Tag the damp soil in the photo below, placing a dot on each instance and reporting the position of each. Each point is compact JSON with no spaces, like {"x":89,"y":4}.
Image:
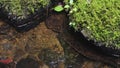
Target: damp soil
{"x":50,"y":45}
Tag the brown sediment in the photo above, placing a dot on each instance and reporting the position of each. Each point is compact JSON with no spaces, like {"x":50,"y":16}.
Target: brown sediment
{"x":29,"y":44}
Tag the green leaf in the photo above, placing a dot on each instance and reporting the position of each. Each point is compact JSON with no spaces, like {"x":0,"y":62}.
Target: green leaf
{"x":66,"y":6}
{"x":71,"y":2}
{"x":59,"y":8}
{"x":75,"y":9}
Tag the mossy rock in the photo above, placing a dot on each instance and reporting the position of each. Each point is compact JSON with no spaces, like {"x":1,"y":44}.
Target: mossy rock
{"x":23,"y":8}
{"x":98,"y":20}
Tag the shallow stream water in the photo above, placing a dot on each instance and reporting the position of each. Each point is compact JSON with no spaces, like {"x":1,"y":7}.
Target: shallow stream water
{"x":44,"y":47}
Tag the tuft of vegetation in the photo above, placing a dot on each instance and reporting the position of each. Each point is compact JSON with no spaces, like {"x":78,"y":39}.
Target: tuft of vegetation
{"x":99,"y":20}
{"x":22,"y":8}
{"x":59,"y":8}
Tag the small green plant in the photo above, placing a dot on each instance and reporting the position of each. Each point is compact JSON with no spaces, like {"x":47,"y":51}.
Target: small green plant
{"x":23,"y":7}
{"x":99,"y":20}
{"x":66,"y":7}
{"x":59,"y":8}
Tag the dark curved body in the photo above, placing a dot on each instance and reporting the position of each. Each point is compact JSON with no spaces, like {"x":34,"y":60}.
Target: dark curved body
{"x":95,"y":46}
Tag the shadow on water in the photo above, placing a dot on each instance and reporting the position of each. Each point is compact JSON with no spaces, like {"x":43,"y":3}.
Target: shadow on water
{"x":27,"y":63}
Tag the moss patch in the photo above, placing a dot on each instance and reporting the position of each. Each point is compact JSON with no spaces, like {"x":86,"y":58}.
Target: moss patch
{"x":23,"y":7}
{"x":98,"y":18}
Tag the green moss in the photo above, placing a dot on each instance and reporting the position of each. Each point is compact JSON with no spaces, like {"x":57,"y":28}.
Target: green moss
{"x":99,"y":18}
{"x":23,"y":7}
